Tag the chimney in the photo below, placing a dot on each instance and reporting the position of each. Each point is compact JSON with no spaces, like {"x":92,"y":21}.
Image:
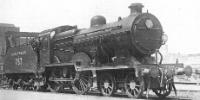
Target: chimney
{"x":136,"y":8}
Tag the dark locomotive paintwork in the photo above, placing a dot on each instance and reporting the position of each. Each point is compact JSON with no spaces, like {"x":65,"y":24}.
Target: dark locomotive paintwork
{"x":129,"y":34}
{"x":106,"y":57}
{"x":135,"y":25}
{"x":4,"y":28}
{"x":22,"y":59}
{"x":60,"y":48}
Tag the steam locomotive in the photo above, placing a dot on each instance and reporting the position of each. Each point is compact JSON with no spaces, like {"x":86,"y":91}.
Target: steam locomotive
{"x":118,"y":57}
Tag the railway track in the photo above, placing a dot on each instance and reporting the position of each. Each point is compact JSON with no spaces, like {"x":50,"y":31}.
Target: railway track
{"x":185,"y":92}
{"x":33,"y":95}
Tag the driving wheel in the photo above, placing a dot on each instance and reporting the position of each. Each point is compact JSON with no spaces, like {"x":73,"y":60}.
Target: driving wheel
{"x":82,"y":82}
{"x":163,"y":92}
{"x":106,"y":84}
{"x":133,"y":86}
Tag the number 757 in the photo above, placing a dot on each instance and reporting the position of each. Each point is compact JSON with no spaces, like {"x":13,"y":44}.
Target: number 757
{"x":18,"y":61}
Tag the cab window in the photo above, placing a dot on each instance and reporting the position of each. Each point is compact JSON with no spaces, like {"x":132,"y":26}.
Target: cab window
{"x":44,"y":42}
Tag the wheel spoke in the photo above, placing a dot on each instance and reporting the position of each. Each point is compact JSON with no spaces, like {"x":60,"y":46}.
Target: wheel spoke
{"x":136,"y":90}
{"x":109,"y":90}
{"x":84,"y":79}
{"x":132,"y":91}
{"x":85,"y":84}
{"x":82,"y":85}
{"x":105,"y":91}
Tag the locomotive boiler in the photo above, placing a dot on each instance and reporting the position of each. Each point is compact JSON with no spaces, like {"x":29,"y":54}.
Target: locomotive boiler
{"x":107,"y":57}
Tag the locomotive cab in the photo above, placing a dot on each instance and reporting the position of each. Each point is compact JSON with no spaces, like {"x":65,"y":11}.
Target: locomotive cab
{"x":52,"y":47}
{"x":44,"y":49}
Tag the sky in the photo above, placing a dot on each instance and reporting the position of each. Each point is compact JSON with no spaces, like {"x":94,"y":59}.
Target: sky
{"x":180,"y":19}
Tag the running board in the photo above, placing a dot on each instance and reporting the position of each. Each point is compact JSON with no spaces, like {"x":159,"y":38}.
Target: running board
{"x":61,"y":79}
{"x":59,"y":65}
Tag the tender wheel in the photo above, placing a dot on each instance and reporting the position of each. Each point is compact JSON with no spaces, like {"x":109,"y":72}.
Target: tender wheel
{"x":54,"y":87}
{"x":28,"y":85}
{"x":133,"y":86}
{"x":163,"y":92}
{"x":106,"y":84}
{"x":62,"y":88}
{"x":82,"y":82}
{"x":40,"y":84}
{"x":17,"y":85}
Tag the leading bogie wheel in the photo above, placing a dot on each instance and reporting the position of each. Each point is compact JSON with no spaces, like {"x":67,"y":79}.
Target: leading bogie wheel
{"x":164,"y":91}
{"x":134,"y":86}
{"x":82,"y":82}
{"x":106,"y":84}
